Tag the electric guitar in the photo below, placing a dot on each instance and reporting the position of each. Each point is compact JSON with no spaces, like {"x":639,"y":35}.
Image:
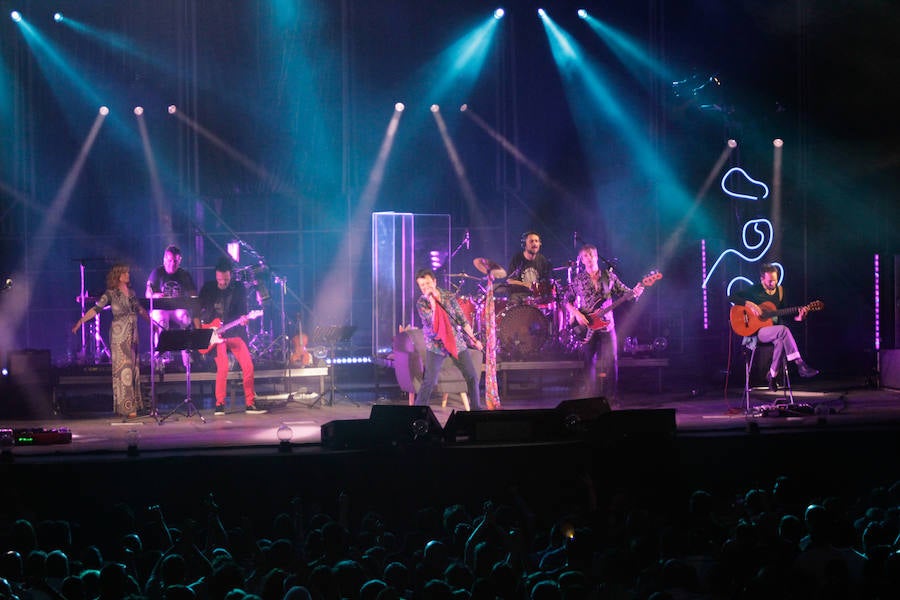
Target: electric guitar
{"x":218,"y":328}
{"x":745,"y":323}
{"x":595,"y":317}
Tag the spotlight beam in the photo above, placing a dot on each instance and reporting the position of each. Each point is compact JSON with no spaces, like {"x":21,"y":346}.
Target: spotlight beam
{"x":333,"y":303}
{"x":588,"y":91}
{"x":460,"y":169}
{"x":276,"y":184}
{"x":163,"y":211}
{"x":15,"y":303}
{"x":518,"y":154}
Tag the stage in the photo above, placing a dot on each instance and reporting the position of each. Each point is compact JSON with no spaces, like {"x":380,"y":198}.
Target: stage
{"x":301,"y":401}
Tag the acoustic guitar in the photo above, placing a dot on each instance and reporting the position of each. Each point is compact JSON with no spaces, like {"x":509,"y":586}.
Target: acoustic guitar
{"x":745,"y":323}
{"x":595,"y":317}
{"x":218,"y":328}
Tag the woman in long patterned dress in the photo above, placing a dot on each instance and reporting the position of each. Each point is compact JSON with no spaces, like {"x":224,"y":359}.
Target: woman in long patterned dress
{"x":123,"y":336}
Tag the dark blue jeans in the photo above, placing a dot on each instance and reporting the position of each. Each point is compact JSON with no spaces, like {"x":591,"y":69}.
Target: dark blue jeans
{"x":464,"y":363}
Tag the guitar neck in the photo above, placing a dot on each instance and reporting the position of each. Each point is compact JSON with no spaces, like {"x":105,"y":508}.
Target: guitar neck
{"x":618,"y":302}
{"x":781,"y":312}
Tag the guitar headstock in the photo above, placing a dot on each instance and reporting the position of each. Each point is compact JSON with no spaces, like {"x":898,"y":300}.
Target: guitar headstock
{"x":815,"y":305}
{"x":651,"y":278}
{"x":254,"y":314}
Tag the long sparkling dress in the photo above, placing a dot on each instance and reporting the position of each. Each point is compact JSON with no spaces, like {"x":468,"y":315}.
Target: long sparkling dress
{"x":123,"y":336}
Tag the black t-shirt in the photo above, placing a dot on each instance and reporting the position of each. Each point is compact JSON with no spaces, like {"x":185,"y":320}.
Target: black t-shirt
{"x":172,"y":285}
{"x":757,"y":294}
{"x":529,"y":271}
{"x":227,"y":305}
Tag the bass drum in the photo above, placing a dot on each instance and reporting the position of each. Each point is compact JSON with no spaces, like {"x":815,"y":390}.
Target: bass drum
{"x":522,"y":330}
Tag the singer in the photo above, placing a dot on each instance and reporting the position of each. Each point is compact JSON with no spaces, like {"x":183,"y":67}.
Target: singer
{"x":447,"y":334}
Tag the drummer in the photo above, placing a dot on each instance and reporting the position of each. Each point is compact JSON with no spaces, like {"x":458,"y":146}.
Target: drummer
{"x":169,"y":280}
{"x":529,"y":271}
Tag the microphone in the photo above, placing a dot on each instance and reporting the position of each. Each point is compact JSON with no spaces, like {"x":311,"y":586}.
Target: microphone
{"x":468,"y":240}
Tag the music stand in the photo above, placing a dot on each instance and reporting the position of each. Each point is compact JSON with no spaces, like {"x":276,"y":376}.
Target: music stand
{"x":330,"y":336}
{"x":184,"y":339}
{"x":188,"y":303}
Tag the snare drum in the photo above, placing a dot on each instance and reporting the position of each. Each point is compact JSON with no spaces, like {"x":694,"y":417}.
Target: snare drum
{"x":543,"y":294}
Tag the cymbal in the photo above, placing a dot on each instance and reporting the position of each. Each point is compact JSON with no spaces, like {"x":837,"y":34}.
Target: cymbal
{"x":486,"y":265}
{"x":465,"y":276}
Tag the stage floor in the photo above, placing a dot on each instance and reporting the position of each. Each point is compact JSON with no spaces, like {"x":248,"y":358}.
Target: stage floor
{"x":819,"y":404}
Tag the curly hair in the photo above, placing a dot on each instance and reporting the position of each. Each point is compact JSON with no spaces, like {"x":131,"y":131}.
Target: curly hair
{"x":112,"y":278}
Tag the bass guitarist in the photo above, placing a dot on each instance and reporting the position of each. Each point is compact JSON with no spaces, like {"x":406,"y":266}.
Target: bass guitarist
{"x":225,"y":300}
{"x":768,"y":290}
{"x":594,"y":289}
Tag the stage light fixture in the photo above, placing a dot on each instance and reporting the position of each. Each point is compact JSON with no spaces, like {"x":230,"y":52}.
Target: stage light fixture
{"x":732,"y":143}
{"x":399,"y":107}
{"x":498,"y":14}
{"x":103,"y":110}
{"x":138,"y":110}
{"x":778,"y":142}
{"x":435,"y":108}
{"x":463,"y":108}
{"x":542,"y":13}
{"x":172,"y":109}
{"x":582,"y":13}
{"x":58,"y":17}
{"x":15,"y":16}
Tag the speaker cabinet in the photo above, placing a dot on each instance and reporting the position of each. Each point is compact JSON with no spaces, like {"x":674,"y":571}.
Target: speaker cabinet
{"x":387,"y":426}
{"x":401,"y":425}
{"x":347,"y":434}
{"x":504,"y":426}
{"x":29,"y":393}
{"x":890,"y":368}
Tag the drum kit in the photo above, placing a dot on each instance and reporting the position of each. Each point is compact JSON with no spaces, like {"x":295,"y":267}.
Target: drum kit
{"x":530,"y":318}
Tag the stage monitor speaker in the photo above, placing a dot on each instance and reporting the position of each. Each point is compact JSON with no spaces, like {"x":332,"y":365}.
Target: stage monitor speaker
{"x":347,"y":434}
{"x":504,"y":426}
{"x":397,"y":424}
{"x":890,"y":368}
{"x":579,"y":414}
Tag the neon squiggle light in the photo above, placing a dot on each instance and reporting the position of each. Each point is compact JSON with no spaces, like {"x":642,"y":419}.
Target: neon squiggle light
{"x":877,"y":304}
{"x":703,"y":276}
{"x":750,"y":179}
{"x":742,"y":278}
{"x":765,"y":239}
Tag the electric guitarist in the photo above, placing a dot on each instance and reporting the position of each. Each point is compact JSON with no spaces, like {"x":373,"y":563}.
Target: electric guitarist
{"x":594,"y":289}
{"x":768,"y":291}
{"x":225,"y":300}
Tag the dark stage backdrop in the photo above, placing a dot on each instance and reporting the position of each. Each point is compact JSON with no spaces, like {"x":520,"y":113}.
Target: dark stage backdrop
{"x":282,"y":110}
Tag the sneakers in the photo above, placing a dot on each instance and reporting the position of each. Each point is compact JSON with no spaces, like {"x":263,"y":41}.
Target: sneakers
{"x":805,"y":370}
{"x":770,"y":379}
{"x":252,"y":410}
{"x":220,"y":410}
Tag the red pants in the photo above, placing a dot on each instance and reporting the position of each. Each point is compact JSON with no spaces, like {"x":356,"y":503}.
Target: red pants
{"x":242,"y":354}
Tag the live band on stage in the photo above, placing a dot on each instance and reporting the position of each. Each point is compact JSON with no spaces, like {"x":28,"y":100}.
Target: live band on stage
{"x":529,"y":311}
